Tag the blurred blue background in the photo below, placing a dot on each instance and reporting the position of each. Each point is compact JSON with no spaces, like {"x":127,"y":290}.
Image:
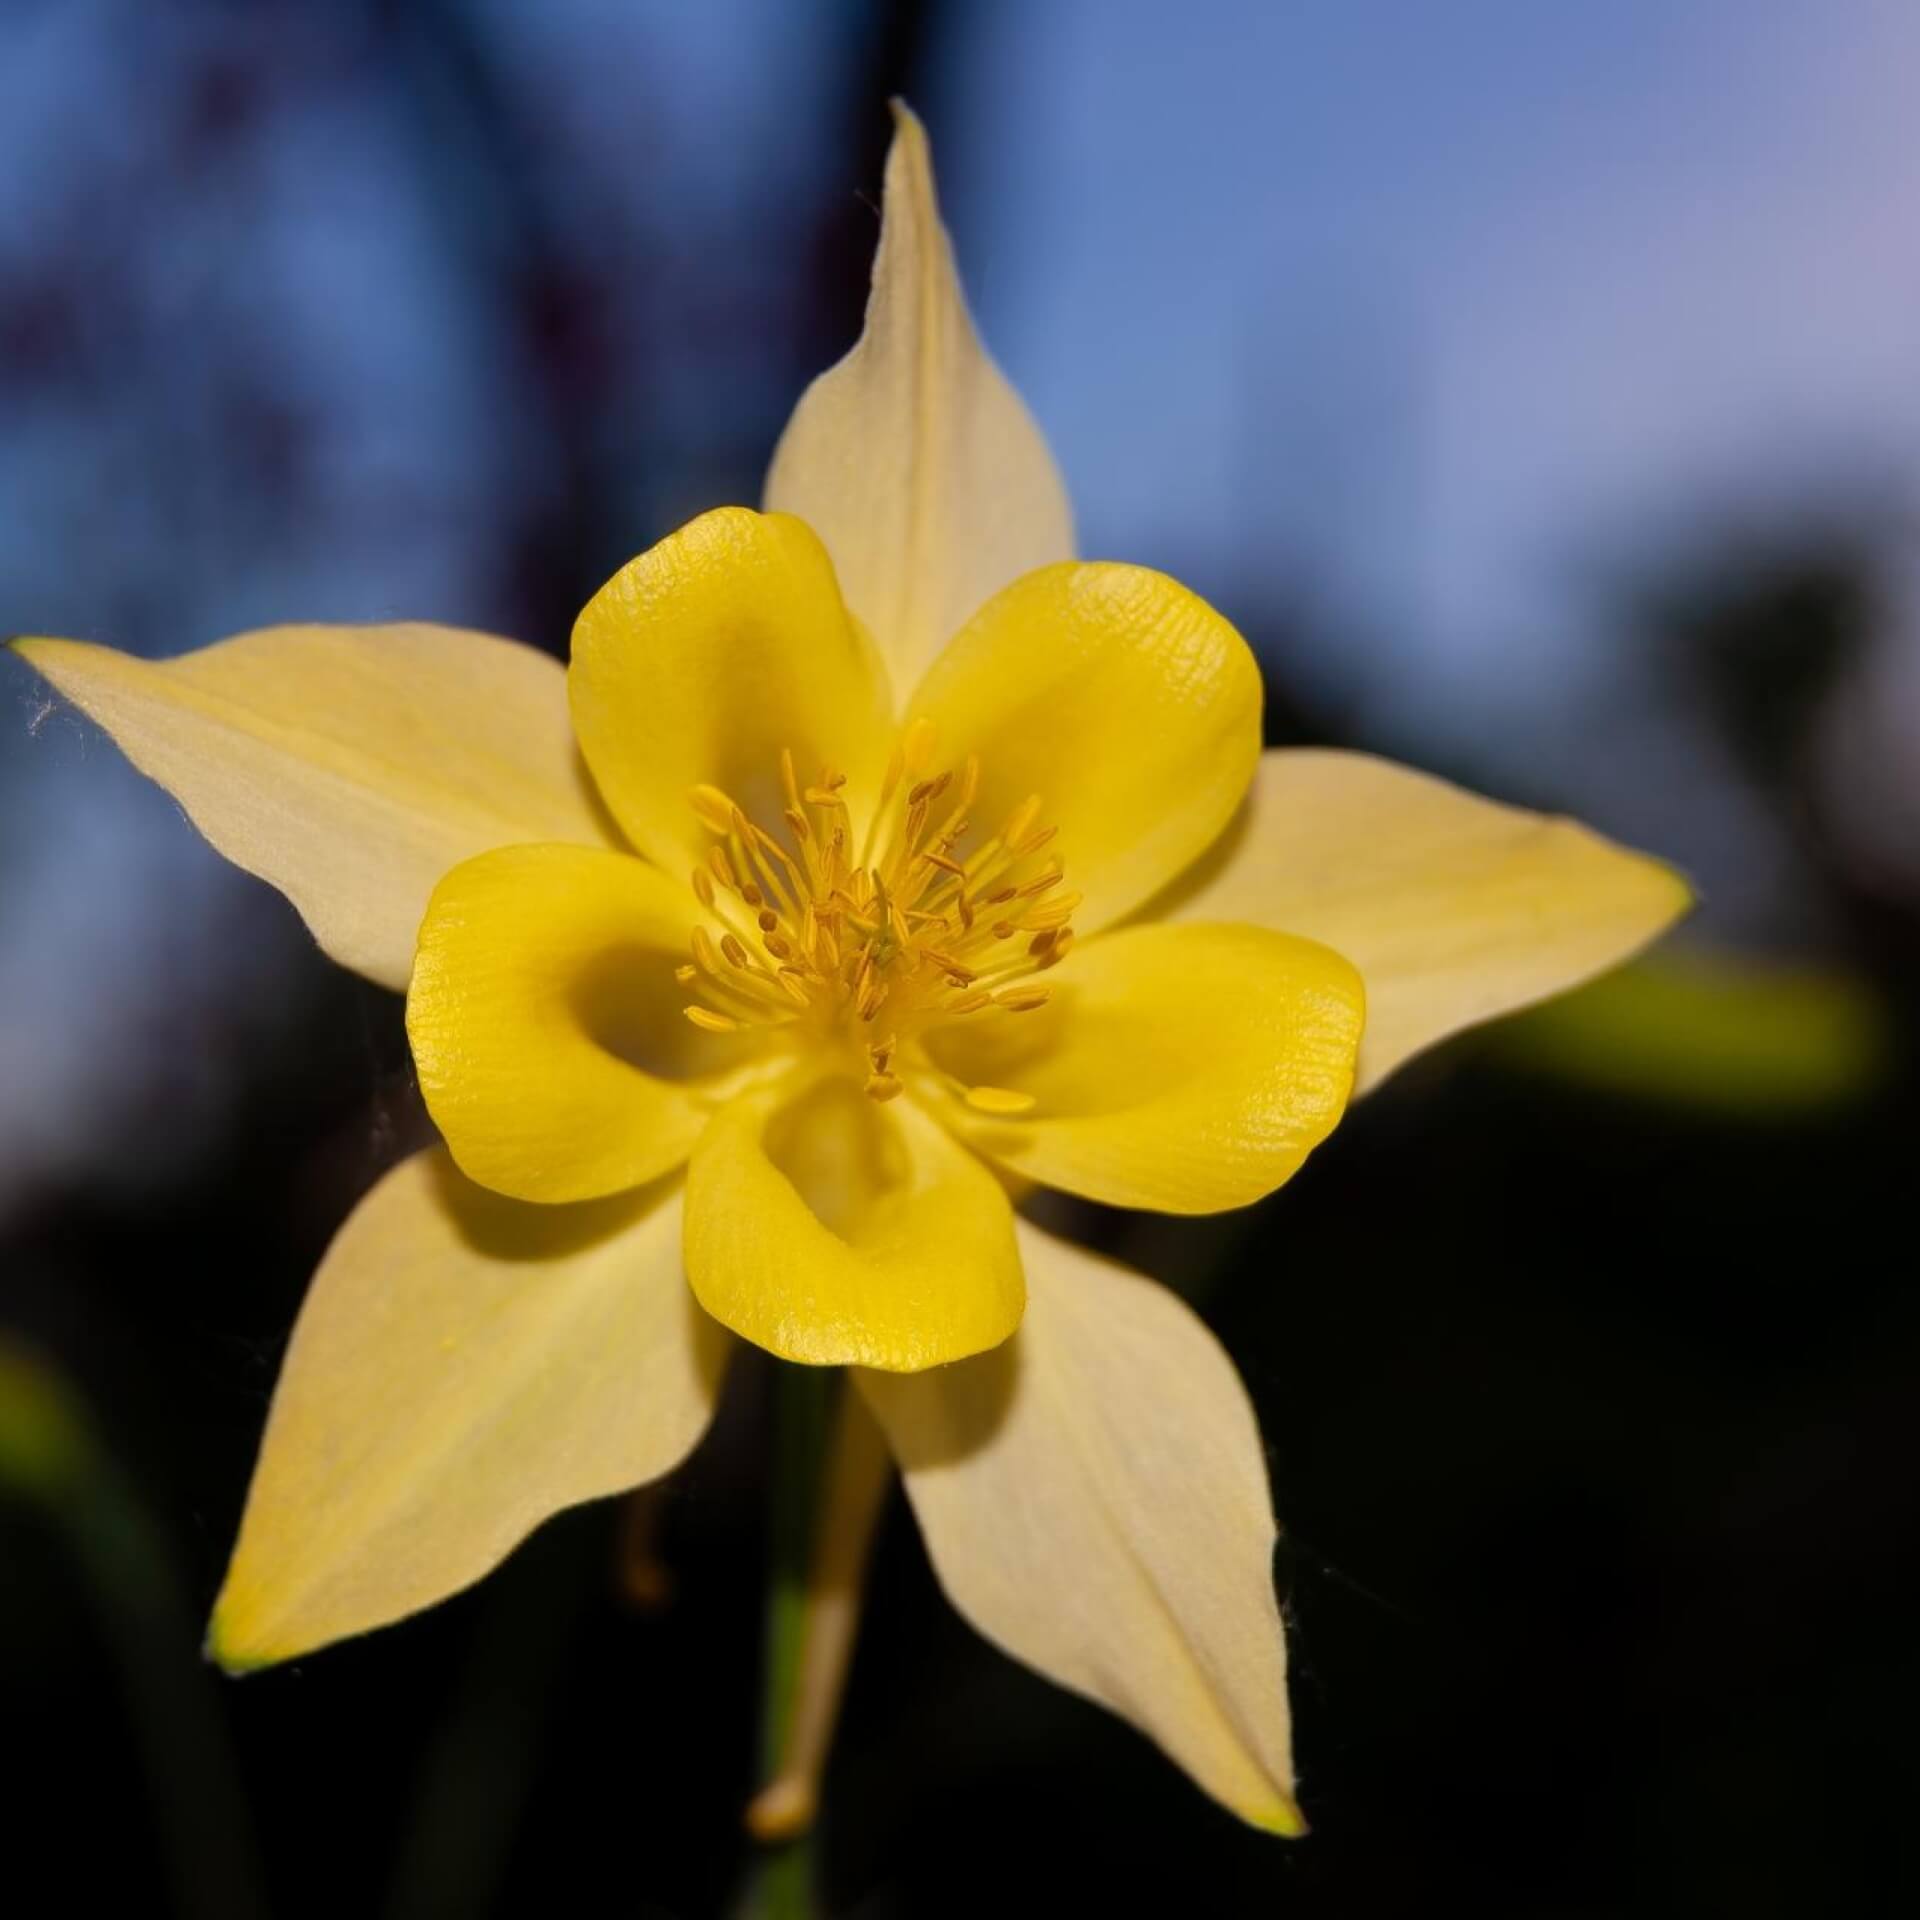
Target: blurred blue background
{"x":1537,"y":387}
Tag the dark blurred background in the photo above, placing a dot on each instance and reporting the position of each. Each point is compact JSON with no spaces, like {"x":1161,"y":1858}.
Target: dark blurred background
{"x":1538,"y":388}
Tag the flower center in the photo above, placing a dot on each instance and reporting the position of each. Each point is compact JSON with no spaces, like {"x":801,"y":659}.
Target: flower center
{"x":876,"y":935}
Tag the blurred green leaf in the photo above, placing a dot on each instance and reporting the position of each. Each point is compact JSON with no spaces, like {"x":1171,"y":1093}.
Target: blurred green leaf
{"x":49,"y":1453}
{"x":44,"y":1443}
{"x":1714,"y":1031}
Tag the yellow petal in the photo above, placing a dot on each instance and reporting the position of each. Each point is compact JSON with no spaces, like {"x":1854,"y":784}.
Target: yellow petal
{"x":833,"y":1230}
{"x":348,"y":766}
{"x":1185,"y":1069}
{"x":913,"y":458}
{"x":546,"y":1023}
{"x":1094,"y":1499}
{"x":698,"y":662}
{"x":1454,"y":908}
{"x":463,"y":1367}
{"x":1120,"y":699}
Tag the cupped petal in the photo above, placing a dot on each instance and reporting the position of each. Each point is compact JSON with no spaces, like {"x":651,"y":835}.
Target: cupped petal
{"x":914,"y":458}
{"x":546,"y":1022}
{"x":464,"y":1366}
{"x":1454,"y":908}
{"x":835,"y":1231}
{"x":1094,"y":1499}
{"x":1183,"y":1069}
{"x":697,"y":663}
{"x":1124,"y":702}
{"x":348,"y":766}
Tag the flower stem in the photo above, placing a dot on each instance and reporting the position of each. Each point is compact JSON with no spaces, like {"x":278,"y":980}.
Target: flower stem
{"x":784,"y":1880}
{"x":828,"y":1500}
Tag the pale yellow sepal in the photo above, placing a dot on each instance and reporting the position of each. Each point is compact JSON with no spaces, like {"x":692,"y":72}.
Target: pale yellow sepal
{"x":833,"y":1230}
{"x":545,"y":1022}
{"x":1124,"y":702}
{"x":914,"y":459}
{"x":464,"y":1366}
{"x":348,"y":766}
{"x":697,"y":663}
{"x":1454,"y":908}
{"x":1185,"y":1069}
{"x":1094,"y":1499}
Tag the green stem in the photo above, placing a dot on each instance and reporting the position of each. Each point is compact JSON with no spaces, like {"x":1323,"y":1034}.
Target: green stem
{"x":784,"y":1881}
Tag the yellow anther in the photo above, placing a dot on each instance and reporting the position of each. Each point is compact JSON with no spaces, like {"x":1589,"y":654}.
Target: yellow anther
{"x":999,"y":1100}
{"x":1053,"y":913}
{"x":947,"y":963}
{"x":882,"y":1086}
{"x":916,"y":825}
{"x":891,"y":784}
{"x":713,"y":808}
{"x":712,"y":1022}
{"x":916,"y":746}
{"x":731,"y":947}
{"x":1024,"y":999}
{"x":1020,"y":821}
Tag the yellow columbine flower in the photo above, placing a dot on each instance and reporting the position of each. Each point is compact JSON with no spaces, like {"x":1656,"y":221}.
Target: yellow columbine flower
{"x":915,"y":855}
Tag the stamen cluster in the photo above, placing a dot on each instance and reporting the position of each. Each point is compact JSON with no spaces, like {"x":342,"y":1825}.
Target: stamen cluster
{"x":912,"y":929}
